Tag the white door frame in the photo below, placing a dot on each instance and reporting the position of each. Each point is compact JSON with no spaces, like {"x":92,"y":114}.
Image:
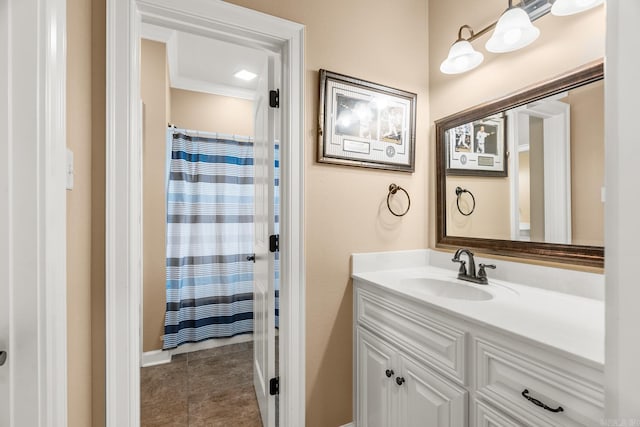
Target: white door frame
{"x":557,"y":167}
{"x":622,"y":102}
{"x":33,"y":212}
{"x":124,"y":189}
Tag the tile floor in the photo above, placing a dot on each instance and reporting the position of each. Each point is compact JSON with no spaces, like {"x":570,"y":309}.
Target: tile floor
{"x":208,"y":388}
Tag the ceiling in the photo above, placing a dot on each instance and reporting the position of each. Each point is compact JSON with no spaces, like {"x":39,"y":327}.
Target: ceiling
{"x":207,"y":65}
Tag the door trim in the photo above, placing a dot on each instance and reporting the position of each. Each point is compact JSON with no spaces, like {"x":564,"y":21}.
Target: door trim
{"x":124,"y":189}
{"x":557,"y":167}
{"x":33,"y":231}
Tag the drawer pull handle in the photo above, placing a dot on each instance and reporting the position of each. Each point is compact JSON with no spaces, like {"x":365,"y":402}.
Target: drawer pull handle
{"x":389,"y":373}
{"x":399,"y":380}
{"x":525,"y":394}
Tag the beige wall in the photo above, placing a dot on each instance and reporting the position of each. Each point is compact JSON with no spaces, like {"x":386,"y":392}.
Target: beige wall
{"x":153,"y":87}
{"x":185,"y":109}
{"x":345,"y":206}
{"x":491,"y":218}
{"x":85,"y":212}
{"x":79,"y":214}
{"x":211,"y":113}
{"x":563,"y":45}
{"x":587,"y":164}
{"x":524,"y":189}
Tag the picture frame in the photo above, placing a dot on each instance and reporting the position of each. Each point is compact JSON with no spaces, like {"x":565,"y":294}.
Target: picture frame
{"x":478,"y":147}
{"x":365,"y":124}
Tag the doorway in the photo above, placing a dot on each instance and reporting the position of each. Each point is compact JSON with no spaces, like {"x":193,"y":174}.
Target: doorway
{"x":204,"y":329}
{"x":248,"y":28}
{"x":540,"y":140}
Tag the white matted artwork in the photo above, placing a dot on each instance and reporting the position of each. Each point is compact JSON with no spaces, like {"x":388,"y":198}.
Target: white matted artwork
{"x":477,"y":148}
{"x":365,"y":124}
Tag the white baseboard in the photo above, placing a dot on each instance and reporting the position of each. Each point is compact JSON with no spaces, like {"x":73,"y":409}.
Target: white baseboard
{"x":348,"y":425}
{"x":158,"y":357}
{"x":155,"y":357}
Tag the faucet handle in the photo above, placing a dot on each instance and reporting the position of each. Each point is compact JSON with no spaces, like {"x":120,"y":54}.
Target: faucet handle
{"x":463,"y":266}
{"x":482,"y":272}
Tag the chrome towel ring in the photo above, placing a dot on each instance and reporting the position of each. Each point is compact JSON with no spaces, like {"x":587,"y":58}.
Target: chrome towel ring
{"x":393,"y":189}
{"x":459,"y":191}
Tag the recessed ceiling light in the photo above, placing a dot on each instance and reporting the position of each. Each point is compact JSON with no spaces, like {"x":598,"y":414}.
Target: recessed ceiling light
{"x":245,"y":75}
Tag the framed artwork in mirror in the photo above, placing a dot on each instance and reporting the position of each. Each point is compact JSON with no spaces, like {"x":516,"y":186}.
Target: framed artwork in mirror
{"x":365,"y":124}
{"x":477,"y":147}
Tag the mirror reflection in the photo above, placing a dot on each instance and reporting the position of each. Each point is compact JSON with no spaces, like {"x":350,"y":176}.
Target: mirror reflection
{"x":525,"y":174}
{"x":550,"y":188}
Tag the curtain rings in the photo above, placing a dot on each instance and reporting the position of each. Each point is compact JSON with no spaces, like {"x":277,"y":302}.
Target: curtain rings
{"x":459,"y":191}
{"x":393,"y":189}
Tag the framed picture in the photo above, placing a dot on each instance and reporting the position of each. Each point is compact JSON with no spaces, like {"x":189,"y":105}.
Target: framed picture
{"x":477,"y":148}
{"x":365,"y":124}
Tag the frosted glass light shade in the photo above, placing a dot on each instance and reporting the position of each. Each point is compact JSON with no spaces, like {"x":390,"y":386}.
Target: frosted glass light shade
{"x":514,"y":30}
{"x":462,"y":57}
{"x":571,"y":7}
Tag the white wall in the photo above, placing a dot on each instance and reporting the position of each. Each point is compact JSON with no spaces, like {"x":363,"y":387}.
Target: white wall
{"x":622,"y":231}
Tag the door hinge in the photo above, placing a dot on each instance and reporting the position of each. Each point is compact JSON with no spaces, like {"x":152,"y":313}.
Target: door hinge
{"x":274,"y":386}
{"x":274,"y":98}
{"x":274,"y":243}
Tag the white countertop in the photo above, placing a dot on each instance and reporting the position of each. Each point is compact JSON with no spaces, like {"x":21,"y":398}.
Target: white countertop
{"x":571,"y":323}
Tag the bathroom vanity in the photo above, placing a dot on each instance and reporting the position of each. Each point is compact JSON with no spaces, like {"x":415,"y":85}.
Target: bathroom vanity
{"x":432,"y":350}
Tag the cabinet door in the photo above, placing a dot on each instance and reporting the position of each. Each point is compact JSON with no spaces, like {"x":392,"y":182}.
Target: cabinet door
{"x":375,"y":376}
{"x":428,"y":400}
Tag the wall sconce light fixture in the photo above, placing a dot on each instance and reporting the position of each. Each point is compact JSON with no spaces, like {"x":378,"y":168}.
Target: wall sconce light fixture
{"x":514,"y":30}
{"x":462,"y":56}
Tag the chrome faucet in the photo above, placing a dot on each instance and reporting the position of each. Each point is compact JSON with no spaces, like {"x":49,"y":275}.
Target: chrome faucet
{"x":471,"y":276}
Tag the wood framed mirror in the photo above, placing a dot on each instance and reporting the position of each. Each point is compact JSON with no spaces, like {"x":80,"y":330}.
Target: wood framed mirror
{"x":523,"y":176}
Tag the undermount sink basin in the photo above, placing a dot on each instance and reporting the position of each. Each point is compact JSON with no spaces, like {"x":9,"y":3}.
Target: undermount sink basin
{"x":446,"y":289}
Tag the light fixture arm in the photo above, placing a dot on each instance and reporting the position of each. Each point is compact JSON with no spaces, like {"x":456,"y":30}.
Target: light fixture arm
{"x":465,"y":26}
{"x":479,"y":34}
{"x":491,"y":26}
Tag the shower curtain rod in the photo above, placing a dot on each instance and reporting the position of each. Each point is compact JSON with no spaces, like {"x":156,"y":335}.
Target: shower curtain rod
{"x":209,"y":134}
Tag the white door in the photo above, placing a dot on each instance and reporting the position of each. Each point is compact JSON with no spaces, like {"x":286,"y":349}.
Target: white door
{"x":265,"y":127}
{"x":33,"y":388}
{"x":5,"y":280}
{"x":376,"y":381}
{"x":4,"y":218}
{"x":4,"y":286}
{"x":429,"y":400}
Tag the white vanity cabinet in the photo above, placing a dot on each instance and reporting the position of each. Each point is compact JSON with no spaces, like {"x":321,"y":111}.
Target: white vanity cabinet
{"x":395,"y":390}
{"x":417,"y":365}
{"x":537,"y":387}
{"x":395,"y":384}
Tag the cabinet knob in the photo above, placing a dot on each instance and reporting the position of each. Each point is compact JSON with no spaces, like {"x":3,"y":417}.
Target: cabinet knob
{"x":399,"y":380}
{"x":389,"y":373}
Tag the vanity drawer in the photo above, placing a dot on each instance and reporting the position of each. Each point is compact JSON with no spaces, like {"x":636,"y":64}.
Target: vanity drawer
{"x":486,"y":416}
{"x":434,"y":343}
{"x":506,"y":378}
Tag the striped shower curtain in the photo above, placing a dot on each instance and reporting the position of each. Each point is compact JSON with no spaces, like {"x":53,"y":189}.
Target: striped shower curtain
{"x":209,"y":236}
